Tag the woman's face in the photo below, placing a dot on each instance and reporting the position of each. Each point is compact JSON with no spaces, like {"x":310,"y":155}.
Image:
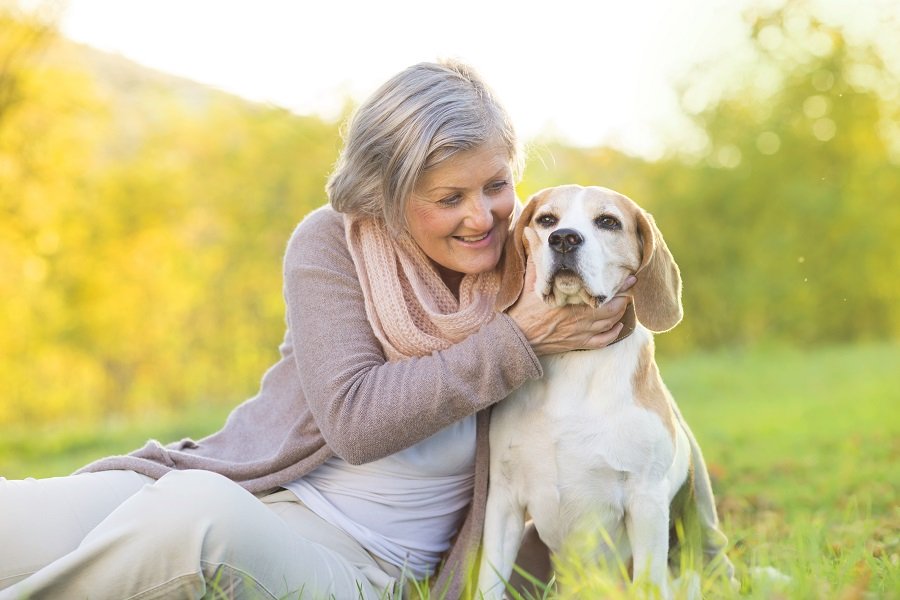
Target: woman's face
{"x":460,"y":210}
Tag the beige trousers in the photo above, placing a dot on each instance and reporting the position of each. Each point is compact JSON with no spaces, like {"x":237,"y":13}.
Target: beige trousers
{"x":192,"y":534}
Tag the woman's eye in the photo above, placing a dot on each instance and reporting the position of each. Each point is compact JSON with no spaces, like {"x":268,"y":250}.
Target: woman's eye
{"x":608,"y":222}
{"x":497,"y":186}
{"x":450,"y":200}
{"x":546,"y":220}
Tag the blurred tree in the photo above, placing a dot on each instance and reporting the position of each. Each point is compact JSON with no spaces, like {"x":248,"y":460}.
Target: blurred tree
{"x":143,"y":224}
{"x":50,"y":119}
{"x":785,"y":221}
{"x":799,"y":190}
{"x":143,"y":218}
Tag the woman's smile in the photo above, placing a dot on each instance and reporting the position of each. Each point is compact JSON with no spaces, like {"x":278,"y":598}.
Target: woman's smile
{"x":474,"y":240}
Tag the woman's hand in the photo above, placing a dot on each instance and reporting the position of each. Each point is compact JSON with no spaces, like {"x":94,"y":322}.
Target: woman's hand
{"x":578,"y":327}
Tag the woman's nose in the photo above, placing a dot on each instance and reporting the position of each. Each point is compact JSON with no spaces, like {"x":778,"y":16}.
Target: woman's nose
{"x":480,"y":215}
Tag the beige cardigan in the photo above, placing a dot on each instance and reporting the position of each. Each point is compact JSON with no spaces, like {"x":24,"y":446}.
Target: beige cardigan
{"x":333,"y":393}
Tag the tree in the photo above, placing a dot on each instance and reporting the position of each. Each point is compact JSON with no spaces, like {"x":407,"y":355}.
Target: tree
{"x":784,"y":222}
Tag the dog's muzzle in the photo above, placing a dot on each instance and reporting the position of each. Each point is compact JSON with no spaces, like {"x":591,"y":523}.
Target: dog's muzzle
{"x":566,"y":282}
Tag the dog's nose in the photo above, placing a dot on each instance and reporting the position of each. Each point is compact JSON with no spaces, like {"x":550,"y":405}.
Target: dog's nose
{"x":565,"y":240}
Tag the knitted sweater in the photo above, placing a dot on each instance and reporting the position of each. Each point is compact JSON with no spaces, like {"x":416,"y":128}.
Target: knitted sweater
{"x":332,"y":392}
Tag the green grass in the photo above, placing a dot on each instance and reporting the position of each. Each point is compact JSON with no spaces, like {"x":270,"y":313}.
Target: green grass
{"x":804,"y":450}
{"x":803,"y":447}
{"x":60,"y":448}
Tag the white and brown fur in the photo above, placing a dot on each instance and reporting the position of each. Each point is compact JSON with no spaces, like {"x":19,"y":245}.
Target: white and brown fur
{"x":598,"y":442}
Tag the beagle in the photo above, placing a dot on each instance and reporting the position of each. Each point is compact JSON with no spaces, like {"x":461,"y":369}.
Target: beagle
{"x":597,"y":446}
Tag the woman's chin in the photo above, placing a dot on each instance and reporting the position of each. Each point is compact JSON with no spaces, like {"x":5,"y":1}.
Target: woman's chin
{"x":483,"y":264}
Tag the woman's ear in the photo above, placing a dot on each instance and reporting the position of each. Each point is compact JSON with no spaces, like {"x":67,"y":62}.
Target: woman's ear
{"x":657,"y":293}
{"x":515,"y":256}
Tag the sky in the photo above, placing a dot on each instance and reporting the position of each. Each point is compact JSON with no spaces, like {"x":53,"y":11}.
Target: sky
{"x":595,"y":72}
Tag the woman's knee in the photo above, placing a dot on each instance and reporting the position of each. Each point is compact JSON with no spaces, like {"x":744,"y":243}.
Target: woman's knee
{"x":196,"y":483}
{"x":180,"y":505}
{"x":200,"y":515}
{"x":182,"y":498}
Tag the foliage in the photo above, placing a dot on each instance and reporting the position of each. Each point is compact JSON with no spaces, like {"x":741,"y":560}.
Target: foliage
{"x":141,"y":234}
{"x":785,"y":215}
{"x":143,"y":218}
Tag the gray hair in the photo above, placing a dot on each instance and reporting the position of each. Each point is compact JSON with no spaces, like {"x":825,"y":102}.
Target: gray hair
{"x":417,"y":119}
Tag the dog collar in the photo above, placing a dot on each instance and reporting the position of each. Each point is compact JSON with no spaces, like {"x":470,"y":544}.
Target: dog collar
{"x":629,"y":322}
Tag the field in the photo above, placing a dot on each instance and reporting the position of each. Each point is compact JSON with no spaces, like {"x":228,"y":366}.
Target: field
{"x":803,"y":447}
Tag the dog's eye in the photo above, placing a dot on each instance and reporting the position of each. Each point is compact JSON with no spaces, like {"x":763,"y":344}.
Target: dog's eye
{"x":546,"y":220}
{"x":607,"y":222}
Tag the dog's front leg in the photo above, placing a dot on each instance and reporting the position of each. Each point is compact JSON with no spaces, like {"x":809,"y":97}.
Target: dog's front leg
{"x":647,"y":524}
{"x":504,"y":525}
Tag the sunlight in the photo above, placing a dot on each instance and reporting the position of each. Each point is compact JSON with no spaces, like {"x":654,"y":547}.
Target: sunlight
{"x":589,"y":72}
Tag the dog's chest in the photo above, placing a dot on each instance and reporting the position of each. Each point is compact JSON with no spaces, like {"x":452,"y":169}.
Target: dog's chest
{"x":575,"y":442}
{"x":585,"y":407}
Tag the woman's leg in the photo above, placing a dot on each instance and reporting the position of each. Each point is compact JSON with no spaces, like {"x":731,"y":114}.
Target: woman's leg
{"x":191,"y":534}
{"x":310,"y":526}
{"x":42,"y":520}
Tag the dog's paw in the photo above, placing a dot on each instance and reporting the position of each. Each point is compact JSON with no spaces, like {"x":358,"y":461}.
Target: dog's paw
{"x":768,"y":581}
{"x":768,"y":576}
{"x":687,"y":586}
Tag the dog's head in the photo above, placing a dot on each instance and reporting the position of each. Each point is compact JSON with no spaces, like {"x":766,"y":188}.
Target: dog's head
{"x":586,"y":241}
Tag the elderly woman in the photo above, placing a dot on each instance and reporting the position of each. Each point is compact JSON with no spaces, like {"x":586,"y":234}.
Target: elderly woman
{"x":363,"y":458}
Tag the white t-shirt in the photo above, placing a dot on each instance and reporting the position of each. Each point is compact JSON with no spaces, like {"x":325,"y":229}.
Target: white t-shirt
{"x":405,"y":507}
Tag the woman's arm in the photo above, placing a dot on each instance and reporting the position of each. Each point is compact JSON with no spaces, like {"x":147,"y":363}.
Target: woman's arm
{"x":366,"y":407}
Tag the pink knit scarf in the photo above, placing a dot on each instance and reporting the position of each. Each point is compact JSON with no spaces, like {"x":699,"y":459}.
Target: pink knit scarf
{"x":411,"y":310}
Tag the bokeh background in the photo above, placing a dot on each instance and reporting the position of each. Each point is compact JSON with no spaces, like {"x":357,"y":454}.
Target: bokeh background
{"x":143,"y":218}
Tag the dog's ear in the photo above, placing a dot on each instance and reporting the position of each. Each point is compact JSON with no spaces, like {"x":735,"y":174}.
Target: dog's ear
{"x":657,"y":293}
{"x":515,"y":255}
